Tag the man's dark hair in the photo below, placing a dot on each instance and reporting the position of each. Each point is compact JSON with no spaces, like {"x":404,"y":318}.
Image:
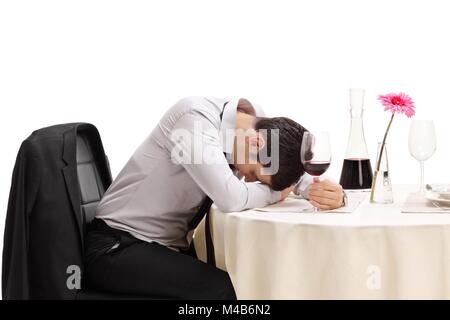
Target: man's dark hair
{"x":290,"y":135}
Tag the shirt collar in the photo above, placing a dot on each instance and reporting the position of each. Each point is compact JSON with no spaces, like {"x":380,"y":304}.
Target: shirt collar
{"x":228,"y":125}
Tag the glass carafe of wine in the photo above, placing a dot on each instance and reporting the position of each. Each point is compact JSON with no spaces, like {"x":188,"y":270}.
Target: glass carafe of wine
{"x":356,"y":170}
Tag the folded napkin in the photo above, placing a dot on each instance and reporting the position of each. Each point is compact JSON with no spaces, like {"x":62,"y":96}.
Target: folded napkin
{"x":297,"y":204}
{"x":417,"y":203}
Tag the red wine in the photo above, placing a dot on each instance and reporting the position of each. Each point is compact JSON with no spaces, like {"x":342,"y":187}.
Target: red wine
{"x":315,"y":168}
{"x":356,"y":174}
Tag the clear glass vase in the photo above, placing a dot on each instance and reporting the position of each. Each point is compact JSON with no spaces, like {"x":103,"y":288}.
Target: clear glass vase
{"x":381,"y":191}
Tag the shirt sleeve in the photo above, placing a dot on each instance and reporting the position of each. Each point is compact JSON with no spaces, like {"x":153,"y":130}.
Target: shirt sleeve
{"x":194,"y":143}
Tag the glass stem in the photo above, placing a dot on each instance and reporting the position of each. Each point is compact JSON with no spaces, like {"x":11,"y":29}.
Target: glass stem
{"x":316,"y":180}
{"x":422,"y":176}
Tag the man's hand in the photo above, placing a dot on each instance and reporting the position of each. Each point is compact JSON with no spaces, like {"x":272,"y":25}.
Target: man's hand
{"x":285,"y":192}
{"x":326,"y":195}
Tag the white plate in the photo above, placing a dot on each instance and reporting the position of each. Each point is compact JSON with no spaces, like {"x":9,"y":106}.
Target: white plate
{"x":440,"y":190}
{"x":436,"y":198}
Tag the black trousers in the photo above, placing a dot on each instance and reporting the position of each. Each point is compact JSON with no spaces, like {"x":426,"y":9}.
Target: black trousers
{"x":119,"y":263}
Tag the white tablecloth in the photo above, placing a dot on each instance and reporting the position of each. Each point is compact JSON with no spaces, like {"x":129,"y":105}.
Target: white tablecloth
{"x":376,"y":252}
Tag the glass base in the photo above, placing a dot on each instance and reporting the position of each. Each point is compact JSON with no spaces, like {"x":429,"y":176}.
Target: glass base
{"x":357,"y":190}
{"x":382,"y":188}
{"x":382,"y":201}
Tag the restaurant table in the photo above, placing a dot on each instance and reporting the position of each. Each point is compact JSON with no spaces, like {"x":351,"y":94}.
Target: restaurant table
{"x":375,"y":252}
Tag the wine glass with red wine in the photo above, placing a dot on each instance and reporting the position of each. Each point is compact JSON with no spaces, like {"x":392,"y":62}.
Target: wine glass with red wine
{"x":316,"y":154}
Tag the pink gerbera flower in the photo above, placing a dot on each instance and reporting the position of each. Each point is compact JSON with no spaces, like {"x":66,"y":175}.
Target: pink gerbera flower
{"x":398,"y":103}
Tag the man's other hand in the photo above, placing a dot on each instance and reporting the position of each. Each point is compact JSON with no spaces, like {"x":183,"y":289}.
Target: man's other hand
{"x":286,"y":192}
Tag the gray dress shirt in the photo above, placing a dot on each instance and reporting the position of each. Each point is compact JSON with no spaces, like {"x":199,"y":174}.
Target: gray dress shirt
{"x":157,"y":193}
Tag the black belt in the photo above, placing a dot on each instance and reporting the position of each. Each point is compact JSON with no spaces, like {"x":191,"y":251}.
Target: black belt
{"x":123,"y":238}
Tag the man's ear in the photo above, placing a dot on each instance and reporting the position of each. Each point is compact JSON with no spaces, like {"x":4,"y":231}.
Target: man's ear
{"x":256,"y":142}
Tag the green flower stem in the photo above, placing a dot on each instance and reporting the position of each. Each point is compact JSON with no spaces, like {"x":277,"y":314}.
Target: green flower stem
{"x":379,"y":158}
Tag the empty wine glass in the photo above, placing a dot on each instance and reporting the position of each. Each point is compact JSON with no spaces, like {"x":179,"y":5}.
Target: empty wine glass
{"x":316,"y":154}
{"x":422,"y":144}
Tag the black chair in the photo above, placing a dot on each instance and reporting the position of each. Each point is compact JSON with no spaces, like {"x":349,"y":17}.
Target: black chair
{"x":59,"y":204}
{"x":94,"y":180}
{"x":92,"y":183}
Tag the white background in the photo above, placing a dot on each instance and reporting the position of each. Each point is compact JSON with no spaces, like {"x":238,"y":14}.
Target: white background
{"x":121,"y":64}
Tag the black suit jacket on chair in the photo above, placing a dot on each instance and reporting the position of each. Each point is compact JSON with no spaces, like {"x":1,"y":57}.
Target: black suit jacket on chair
{"x":44,"y":226}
